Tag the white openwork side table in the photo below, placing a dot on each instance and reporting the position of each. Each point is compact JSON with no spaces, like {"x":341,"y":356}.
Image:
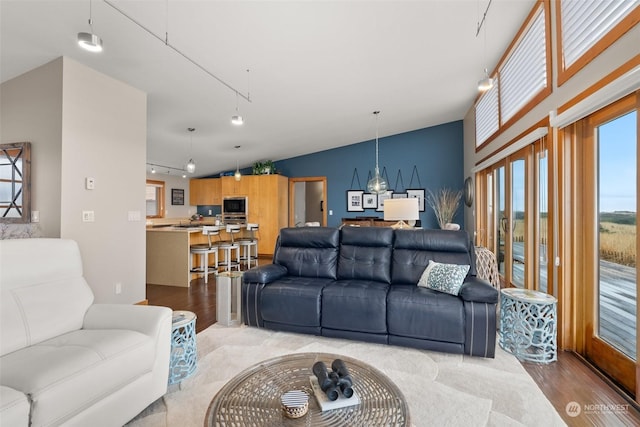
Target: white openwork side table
{"x":229,"y":298}
{"x":183,"y":346}
{"x":528,"y":327}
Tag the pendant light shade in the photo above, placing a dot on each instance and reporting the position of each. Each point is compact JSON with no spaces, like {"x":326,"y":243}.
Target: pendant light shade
{"x":237,"y":120}
{"x":486,"y":83}
{"x":377,"y":184}
{"x":237,"y":176}
{"x":90,"y":42}
{"x":191,"y":166}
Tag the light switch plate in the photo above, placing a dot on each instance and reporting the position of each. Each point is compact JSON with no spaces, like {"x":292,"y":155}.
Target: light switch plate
{"x":88,"y":216}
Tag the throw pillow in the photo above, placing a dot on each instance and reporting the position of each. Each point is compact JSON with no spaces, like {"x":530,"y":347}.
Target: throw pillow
{"x":443,"y":277}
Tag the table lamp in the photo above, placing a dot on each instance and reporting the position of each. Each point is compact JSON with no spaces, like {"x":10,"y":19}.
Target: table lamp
{"x":401,"y":210}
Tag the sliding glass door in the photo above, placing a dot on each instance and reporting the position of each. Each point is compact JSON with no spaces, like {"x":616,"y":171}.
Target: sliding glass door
{"x":608,"y":183}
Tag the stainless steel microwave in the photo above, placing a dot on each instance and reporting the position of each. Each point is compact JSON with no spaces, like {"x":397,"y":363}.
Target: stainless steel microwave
{"x":234,"y":206}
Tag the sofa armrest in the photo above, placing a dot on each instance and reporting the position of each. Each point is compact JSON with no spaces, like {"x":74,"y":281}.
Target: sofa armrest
{"x":145,"y":319}
{"x":475,"y":289}
{"x":264,"y":274}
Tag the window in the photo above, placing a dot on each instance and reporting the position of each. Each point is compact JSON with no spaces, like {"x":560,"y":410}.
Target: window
{"x":155,"y":199}
{"x":587,"y":28}
{"x":487,"y":122}
{"x":524,"y":74}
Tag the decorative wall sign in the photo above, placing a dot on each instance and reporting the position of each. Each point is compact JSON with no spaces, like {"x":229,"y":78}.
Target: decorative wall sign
{"x":369,"y":201}
{"x":354,"y":201}
{"x":177,"y":196}
{"x":418,"y":193}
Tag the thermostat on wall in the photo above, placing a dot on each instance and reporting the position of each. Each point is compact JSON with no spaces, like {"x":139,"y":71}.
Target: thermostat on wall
{"x":90,"y":183}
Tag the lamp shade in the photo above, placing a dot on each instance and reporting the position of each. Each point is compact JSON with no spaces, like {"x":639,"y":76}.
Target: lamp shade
{"x":401,"y":209}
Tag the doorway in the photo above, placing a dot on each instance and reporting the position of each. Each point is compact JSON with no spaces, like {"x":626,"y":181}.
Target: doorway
{"x":307,"y":196}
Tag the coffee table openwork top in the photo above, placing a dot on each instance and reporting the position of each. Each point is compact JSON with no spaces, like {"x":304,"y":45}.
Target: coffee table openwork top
{"x":253,"y":396}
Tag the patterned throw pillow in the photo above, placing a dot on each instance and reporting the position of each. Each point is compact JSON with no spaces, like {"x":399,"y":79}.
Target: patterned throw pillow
{"x":443,"y":277}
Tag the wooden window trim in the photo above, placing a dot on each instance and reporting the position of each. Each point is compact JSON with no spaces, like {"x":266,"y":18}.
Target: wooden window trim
{"x":564,"y":74}
{"x":161,"y":197}
{"x":544,"y":92}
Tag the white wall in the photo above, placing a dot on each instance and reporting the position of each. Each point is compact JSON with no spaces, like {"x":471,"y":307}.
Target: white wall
{"x":616,"y":55}
{"x":31,"y":111}
{"x":85,"y":124}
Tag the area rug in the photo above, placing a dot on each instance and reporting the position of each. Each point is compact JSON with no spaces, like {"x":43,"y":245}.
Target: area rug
{"x":441,"y":389}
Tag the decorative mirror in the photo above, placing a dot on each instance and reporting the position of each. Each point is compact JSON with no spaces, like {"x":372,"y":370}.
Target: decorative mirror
{"x":15,"y":182}
{"x":468,"y":191}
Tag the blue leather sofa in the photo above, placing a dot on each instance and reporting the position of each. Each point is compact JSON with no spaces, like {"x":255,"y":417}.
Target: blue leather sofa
{"x":361,"y":283}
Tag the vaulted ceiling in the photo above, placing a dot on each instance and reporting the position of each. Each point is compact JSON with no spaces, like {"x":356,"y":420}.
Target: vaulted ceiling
{"x":318,"y":69}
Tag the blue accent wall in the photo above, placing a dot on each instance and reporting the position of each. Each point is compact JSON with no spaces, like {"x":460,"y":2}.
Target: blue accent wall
{"x":437,"y":153}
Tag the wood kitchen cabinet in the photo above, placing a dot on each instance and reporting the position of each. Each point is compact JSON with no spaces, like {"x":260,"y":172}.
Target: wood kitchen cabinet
{"x":268,"y":204}
{"x":205,"y":192}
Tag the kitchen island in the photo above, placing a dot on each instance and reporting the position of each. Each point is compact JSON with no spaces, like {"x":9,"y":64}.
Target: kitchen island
{"x":168,"y":254}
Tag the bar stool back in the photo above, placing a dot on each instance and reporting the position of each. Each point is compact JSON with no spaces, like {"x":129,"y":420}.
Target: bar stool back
{"x":204,"y":250}
{"x":249,"y":246}
{"x":228,"y":246}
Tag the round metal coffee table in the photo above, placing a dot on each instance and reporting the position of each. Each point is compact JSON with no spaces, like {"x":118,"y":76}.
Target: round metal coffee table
{"x":253,"y":396}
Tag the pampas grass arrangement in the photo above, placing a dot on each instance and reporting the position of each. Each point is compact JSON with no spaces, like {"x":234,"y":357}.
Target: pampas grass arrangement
{"x":445,"y":204}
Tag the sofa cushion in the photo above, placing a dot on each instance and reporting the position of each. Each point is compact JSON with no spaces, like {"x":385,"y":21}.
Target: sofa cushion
{"x":14,"y":407}
{"x":444,"y":277}
{"x":37,"y":304}
{"x":413,"y":249}
{"x":365,"y":254}
{"x":417,"y":312}
{"x":293,"y":300}
{"x":308,"y":251}
{"x":355,"y":305}
{"x":67,"y":374}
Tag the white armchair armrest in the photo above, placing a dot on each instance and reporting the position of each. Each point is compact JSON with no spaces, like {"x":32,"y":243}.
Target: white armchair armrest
{"x":149,"y":320}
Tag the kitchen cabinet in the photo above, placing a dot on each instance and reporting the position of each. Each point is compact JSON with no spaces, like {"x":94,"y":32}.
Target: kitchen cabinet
{"x":268,"y":204}
{"x":205,"y":192}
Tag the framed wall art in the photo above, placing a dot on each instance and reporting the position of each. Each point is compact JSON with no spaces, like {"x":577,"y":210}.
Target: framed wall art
{"x":369,"y":201}
{"x":418,"y":193}
{"x":354,"y":201}
{"x":177,"y":196}
{"x":381,"y":198}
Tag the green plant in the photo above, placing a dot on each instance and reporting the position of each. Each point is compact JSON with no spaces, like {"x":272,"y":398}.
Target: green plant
{"x":445,"y":204}
{"x":266,"y":167}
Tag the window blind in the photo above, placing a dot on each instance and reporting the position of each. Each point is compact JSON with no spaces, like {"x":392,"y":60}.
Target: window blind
{"x":524,"y":73}
{"x":585,"y":22}
{"x":487,"y":122}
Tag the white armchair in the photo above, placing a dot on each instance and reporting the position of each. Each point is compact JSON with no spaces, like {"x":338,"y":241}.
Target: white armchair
{"x":65,"y":360}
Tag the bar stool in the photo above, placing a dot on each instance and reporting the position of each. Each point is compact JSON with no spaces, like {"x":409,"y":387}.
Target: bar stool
{"x":228,"y":246}
{"x":204,"y":250}
{"x":249,"y":246}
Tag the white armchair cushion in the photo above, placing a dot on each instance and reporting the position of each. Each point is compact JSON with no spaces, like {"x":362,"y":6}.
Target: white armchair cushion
{"x":14,"y":407}
{"x":77,"y":369}
{"x":40,"y":303}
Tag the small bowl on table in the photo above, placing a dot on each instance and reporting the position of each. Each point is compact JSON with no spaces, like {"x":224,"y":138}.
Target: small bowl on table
{"x":295,"y":403}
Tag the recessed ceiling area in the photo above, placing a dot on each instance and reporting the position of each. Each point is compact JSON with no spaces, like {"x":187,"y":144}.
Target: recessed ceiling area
{"x":318,"y":69}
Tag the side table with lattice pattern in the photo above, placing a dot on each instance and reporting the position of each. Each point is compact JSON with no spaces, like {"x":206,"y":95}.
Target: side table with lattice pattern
{"x":528,"y":325}
{"x":183,"y":360}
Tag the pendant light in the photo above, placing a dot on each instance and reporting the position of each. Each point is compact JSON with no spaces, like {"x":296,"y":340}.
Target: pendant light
{"x":237,"y":118}
{"x":90,"y":41}
{"x":377,"y":184}
{"x":237,"y":175}
{"x":486,"y":83}
{"x":191,"y":166}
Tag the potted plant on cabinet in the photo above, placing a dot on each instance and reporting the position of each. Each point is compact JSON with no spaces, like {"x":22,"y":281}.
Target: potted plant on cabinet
{"x":264,"y":168}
